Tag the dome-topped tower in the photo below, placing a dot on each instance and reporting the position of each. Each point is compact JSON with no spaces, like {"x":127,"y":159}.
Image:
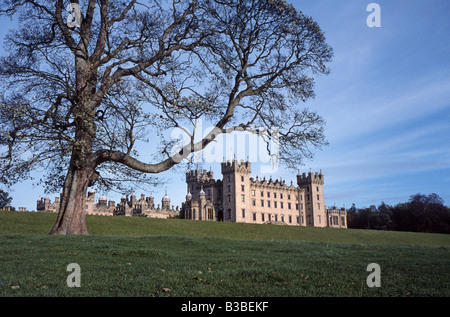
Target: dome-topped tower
{"x":202,"y":192}
{"x":102,"y":200}
{"x":165,"y":202}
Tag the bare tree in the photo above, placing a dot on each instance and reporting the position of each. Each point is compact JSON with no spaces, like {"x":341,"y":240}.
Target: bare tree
{"x":84,"y":83}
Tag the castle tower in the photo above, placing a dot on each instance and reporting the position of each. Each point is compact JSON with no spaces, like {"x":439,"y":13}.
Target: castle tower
{"x":312,"y":191}
{"x":188,"y":196}
{"x":151,"y":202}
{"x":197,"y":178}
{"x":236,"y":190}
{"x":165,"y":202}
{"x":102,"y":200}
{"x":202,"y":205}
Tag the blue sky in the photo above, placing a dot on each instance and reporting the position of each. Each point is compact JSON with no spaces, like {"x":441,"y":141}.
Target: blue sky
{"x":386,"y":103}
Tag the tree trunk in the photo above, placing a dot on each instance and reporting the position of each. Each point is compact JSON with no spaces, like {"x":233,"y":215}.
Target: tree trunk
{"x":72,"y":215}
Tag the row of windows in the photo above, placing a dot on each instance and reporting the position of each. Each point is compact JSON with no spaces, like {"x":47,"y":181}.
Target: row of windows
{"x":191,"y":214}
{"x":268,"y":217}
{"x":282,"y":218}
{"x":275,"y":196}
{"x":275,"y":204}
{"x":269,"y":203}
{"x":275,"y":217}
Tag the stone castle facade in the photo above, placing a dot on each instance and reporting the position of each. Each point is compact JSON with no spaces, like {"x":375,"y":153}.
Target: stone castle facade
{"x":236,"y":197}
{"x":128,"y":206}
{"x":241,"y":198}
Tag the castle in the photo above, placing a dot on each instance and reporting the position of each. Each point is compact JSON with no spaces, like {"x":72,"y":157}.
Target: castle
{"x":241,"y":198}
{"x":235,"y":198}
{"x":128,"y":206}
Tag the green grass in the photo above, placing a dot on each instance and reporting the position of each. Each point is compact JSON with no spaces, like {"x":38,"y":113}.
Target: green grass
{"x":155,"y":257}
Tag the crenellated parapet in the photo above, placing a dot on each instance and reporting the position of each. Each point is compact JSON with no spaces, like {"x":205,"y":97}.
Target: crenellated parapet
{"x":310,"y":178}
{"x":242,"y":167}
{"x":277,"y":184}
{"x":198,"y":175}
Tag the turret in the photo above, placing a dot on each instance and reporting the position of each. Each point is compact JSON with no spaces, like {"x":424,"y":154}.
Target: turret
{"x":102,"y":200}
{"x":311,"y":185}
{"x":91,"y":196}
{"x":151,"y":202}
{"x":236,"y":189}
{"x":165,"y":202}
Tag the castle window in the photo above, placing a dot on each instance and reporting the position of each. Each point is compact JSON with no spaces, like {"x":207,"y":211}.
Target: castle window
{"x":253,"y":202}
{"x":262,"y":203}
{"x":262,"y":194}
{"x":318,"y":218}
{"x":269,"y":216}
{"x":318,"y":206}
{"x":254,"y":216}
{"x":296,"y":206}
{"x":193,"y":214}
{"x":281,"y":205}
{"x":274,"y":195}
{"x":268,"y":194}
{"x":290,"y":219}
{"x":243,"y":198}
{"x":318,"y":197}
{"x":243,"y":213}
{"x":289,"y":197}
{"x":335,"y":220}
{"x":210,"y":214}
{"x":289,"y":205}
{"x":282,"y":218}
{"x":281,"y":197}
{"x":229,"y":198}
{"x":242,"y":188}
{"x":307,"y":197}
{"x":242,"y":178}
{"x":317,"y":188}
{"x":301,"y":206}
{"x":342,"y":221}
{"x":253,"y":193}
{"x":275,"y":204}
{"x":276,"y":217}
{"x":262,"y":217}
{"x":268,"y":203}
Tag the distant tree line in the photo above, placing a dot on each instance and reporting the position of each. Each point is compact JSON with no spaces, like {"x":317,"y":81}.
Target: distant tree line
{"x":420,"y":214}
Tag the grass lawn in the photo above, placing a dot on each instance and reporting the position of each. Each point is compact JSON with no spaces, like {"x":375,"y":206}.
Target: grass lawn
{"x":153,"y":257}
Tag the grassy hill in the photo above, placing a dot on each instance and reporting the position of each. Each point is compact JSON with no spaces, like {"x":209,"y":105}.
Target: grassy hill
{"x":156,"y":257}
